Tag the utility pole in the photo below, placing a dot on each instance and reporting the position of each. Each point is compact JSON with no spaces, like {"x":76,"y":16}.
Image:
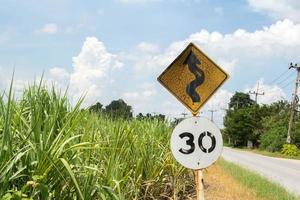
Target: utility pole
{"x":256,"y":93}
{"x":294,"y":103}
{"x":184,"y":114}
{"x":212,"y":114}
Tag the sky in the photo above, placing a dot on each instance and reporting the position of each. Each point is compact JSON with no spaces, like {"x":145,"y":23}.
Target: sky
{"x":115,"y":49}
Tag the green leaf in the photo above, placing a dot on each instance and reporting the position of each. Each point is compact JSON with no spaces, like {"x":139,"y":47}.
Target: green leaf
{"x":67,"y":166}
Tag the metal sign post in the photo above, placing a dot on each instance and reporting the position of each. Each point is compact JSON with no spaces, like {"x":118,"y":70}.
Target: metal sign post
{"x":196,"y":142}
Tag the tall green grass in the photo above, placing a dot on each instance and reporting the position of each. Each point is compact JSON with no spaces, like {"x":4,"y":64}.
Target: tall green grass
{"x":51,"y":150}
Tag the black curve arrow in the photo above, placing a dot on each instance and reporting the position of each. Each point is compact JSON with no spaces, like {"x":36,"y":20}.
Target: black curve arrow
{"x":192,"y":62}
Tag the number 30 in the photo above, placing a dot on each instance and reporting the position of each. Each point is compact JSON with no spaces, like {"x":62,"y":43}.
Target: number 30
{"x":190,"y":142}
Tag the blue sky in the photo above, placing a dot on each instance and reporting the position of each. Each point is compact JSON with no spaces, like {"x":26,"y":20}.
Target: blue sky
{"x":116,"y":49}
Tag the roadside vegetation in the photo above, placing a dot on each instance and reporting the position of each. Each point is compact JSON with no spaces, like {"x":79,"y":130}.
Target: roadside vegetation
{"x":263,"y":127}
{"x":52,"y":150}
{"x":261,"y":187}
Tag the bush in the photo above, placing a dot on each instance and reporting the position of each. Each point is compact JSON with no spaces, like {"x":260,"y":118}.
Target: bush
{"x":290,"y":150}
{"x":273,"y":140}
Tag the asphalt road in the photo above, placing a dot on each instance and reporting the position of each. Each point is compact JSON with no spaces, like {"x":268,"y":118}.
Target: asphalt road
{"x":286,"y":172}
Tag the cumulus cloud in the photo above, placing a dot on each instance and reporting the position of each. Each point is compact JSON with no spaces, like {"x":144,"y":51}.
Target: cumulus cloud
{"x":141,"y":97}
{"x":281,"y":38}
{"x":59,"y":73}
{"x":283,"y":9}
{"x":218,"y":104}
{"x":91,"y":68}
{"x":228,"y":50}
{"x":219,"y":100}
{"x":148,"y":47}
{"x":50,"y":28}
{"x":272,"y":93}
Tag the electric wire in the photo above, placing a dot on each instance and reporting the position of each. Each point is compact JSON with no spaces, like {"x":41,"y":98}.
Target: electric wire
{"x":286,"y":78}
{"x":278,"y":77}
{"x":288,"y":84}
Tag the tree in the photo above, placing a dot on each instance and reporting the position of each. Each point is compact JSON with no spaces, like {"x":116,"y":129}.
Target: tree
{"x":240,"y":100}
{"x":275,"y":127}
{"x":149,"y":116}
{"x":243,"y":120}
{"x":238,"y":127}
{"x":119,"y":108}
{"x":97,"y":108}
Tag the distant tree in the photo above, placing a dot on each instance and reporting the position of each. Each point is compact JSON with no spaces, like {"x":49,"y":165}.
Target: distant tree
{"x":118,"y":108}
{"x":97,"y":108}
{"x":140,"y":116}
{"x":243,"y":120}
{"x":149,"y":116}
{"x":240,"y":100}
{"x":161,"y":117}
{"x":238,"y":126}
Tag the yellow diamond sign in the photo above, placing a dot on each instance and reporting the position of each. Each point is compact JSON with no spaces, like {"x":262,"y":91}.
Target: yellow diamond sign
{"x":193,"y":78}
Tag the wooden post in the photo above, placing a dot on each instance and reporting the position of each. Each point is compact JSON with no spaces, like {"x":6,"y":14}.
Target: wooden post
{"x":199,"y":180}
{"x":199,"y":184}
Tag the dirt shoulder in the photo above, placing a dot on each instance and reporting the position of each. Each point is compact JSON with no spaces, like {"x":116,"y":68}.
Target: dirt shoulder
{"x":219,"y":185}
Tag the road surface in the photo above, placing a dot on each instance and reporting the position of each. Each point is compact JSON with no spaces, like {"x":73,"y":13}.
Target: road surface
{"x":286,"y":172}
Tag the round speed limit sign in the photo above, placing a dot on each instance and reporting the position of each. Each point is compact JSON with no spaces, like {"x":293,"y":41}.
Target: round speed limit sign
{"x":196,"y":143}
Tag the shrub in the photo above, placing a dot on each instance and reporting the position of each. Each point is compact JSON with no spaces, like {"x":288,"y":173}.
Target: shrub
{"x":290,"y":150}
{"x":273,"y":140}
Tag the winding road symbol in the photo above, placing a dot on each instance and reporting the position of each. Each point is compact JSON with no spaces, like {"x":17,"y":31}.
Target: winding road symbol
{"x":193,"y":78}
{"x":192,"y":62}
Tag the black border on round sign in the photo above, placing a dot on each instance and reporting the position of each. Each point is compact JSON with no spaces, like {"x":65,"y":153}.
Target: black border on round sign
{"x":191,"y":44}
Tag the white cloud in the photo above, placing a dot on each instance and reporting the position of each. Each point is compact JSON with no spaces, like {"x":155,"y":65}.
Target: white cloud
{"x":148,"y":47}
{"x":237,"y":49}
{"x":272,"y":93}
{"x":141,"y":97}
{"x":144,"y":57}
{"x":219,"y":100}
{"x":218,"y":103}
{"x":278,"y":9}
{"x":228,"y":50}
{"x":91,"y":68}
{"x":50,"y":28}
{"x":59,"y":73}
{"x":90,"y":75}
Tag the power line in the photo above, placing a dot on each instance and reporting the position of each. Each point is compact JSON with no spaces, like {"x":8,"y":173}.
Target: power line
{"x":288,"y":77}
{"x":288,"y":84}
{"x":277,"y":78}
